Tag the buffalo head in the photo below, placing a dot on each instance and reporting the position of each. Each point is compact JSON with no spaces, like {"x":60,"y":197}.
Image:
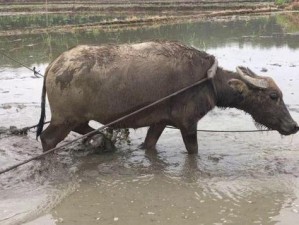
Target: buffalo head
{"x":262,"y":98}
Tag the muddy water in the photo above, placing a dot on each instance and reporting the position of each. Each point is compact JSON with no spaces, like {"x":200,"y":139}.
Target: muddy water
{"x":245,"y":178}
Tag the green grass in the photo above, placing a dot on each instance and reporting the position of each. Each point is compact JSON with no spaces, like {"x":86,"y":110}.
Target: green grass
{"x":281,"y":2}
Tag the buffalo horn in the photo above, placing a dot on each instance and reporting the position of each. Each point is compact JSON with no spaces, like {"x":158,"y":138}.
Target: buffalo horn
{"x":248,"y":72}
{"x":212,"y":71}
{"x":257,"y":82}
{"x":251,"y":73}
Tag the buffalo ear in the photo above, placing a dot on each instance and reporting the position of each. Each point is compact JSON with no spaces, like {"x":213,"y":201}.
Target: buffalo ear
{"x":238,"y":86}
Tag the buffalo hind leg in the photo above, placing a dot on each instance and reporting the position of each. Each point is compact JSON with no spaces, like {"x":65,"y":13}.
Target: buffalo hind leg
{"x":54,"y":134}
{"x":152,"y":136}
{"x":190,"y":140}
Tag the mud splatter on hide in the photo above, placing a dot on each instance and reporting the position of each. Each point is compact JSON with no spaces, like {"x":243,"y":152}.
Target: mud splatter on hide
{"x":65,"y":78}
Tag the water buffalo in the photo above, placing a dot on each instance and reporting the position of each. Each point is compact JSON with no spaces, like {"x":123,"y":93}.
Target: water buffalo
{"x":105,"y":82}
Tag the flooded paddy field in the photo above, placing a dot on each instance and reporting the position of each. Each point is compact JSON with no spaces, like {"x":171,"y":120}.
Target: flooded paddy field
{"x":128,"y":5}
{"x":237,"y":178}
{"x":37,"y":17}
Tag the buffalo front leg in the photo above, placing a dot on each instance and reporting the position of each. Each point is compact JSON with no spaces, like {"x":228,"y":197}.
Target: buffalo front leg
{"x":152,"y":136}
{"x":190,"y":140}
{"x":54,"y":134}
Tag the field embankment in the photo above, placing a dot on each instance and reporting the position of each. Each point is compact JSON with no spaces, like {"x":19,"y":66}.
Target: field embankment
{"x":118,"y":14}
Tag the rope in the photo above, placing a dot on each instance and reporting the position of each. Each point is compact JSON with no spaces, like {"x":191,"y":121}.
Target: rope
{"x":104,"y":126}
{"x":226,"y":131}
{"x":36,"y":73}
{"x":25,"y":129}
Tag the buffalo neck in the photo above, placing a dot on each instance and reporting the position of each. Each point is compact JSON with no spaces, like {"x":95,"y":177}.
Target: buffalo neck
{"x":226,"y":97}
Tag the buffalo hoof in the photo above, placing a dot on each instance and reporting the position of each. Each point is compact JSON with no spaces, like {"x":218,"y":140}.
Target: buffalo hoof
{"x":148,"y":147}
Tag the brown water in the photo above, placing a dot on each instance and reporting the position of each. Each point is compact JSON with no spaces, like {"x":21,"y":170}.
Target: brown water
{"x":237,"y":178}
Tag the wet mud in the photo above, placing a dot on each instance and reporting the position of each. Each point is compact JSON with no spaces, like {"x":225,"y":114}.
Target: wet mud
{"x":237,"y":178}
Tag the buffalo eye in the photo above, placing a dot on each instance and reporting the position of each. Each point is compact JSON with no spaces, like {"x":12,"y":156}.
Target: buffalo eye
{"x":274,"y":96}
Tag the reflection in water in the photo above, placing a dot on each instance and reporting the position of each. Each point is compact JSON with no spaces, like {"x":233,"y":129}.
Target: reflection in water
{"x":290,"y":22}
{"x":22,"y":21}
{"x":235,"y":179}
{"x":261,"y":32}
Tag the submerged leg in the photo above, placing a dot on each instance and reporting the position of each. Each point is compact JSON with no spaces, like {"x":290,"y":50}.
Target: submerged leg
{"x":54,"y":134}
{"x":97,"y":139}
{"x":190,"y":139}
{"x":153,"y":134}
{"x":83,"y":129}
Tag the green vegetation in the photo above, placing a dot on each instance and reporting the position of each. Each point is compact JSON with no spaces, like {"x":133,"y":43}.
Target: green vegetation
{"x":282,"y":2}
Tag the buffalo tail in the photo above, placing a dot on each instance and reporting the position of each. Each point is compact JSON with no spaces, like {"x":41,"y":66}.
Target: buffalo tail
{"x":41,"y":122}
